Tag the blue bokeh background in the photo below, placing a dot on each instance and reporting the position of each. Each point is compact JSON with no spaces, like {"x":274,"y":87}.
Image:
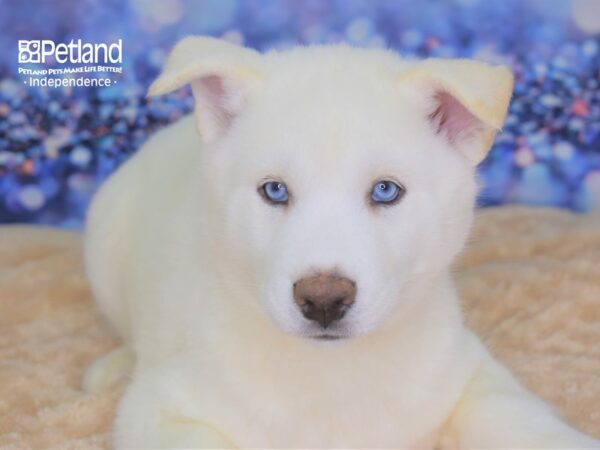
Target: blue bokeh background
{"x":58,"y":145}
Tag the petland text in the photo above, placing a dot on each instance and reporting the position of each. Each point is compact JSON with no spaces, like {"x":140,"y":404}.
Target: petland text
{"x":75,"y":52}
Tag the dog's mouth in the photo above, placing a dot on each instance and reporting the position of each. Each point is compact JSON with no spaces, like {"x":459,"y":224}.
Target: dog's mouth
{"x":328,"y":337}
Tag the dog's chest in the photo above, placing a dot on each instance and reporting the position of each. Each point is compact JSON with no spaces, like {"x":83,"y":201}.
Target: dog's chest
{"x":358,"y":411}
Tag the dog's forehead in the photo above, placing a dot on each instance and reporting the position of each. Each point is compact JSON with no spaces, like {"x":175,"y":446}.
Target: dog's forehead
{"x":334,"y":146}
{"x":336,"y":88}
{"x":338,"y":112}
{"x":334,"y":58}
{"x":326,"y":93}
{"x":329,"y":70}
{"x":330,"y":108}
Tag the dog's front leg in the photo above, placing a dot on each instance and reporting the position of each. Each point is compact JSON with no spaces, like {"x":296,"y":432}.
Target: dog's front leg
{"x":155,"y":413}
{"x":497,"y":412}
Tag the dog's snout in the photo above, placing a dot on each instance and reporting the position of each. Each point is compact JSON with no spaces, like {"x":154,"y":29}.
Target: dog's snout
{"x":324,"y":297}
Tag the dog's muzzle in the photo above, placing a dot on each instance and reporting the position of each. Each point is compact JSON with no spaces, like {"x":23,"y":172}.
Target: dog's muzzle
{"x":324,"y":297}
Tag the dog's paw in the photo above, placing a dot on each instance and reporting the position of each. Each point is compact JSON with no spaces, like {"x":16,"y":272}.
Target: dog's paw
{"x":184,"y":433}
{"x":108,"y":370}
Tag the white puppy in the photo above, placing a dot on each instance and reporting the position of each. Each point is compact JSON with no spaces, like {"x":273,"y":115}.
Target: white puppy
{"x":278,"y":263}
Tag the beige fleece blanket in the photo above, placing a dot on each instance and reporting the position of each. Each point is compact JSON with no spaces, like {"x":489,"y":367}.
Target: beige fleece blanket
{"x":530,"y":281}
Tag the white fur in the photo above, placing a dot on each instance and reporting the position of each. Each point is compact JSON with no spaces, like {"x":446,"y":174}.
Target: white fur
{"x":195,"y":270}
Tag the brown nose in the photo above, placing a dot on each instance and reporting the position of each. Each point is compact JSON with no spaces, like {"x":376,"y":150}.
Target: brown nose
{"x":324,"y":297}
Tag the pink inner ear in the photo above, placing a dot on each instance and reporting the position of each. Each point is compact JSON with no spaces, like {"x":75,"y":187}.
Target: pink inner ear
{"x":214,"y":95}
{"x":452,"y":119}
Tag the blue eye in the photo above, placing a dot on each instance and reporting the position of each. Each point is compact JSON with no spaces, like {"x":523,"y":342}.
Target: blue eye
{"x":275,"y":192}
{"x":386,"y":192}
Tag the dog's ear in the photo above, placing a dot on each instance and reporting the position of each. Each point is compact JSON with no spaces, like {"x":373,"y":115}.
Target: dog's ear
{"x":222,"y":76}
{"x":467,"y":101}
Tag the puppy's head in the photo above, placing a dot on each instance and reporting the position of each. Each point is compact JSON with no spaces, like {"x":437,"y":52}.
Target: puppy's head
{"x":337,"y":176}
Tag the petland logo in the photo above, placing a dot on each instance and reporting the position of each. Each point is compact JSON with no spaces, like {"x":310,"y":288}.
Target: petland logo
{"x":91,"y":57}
{"x":76,"y":52}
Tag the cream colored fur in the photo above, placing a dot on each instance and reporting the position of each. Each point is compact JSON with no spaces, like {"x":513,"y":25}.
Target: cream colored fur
{"x":195,"y":270}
